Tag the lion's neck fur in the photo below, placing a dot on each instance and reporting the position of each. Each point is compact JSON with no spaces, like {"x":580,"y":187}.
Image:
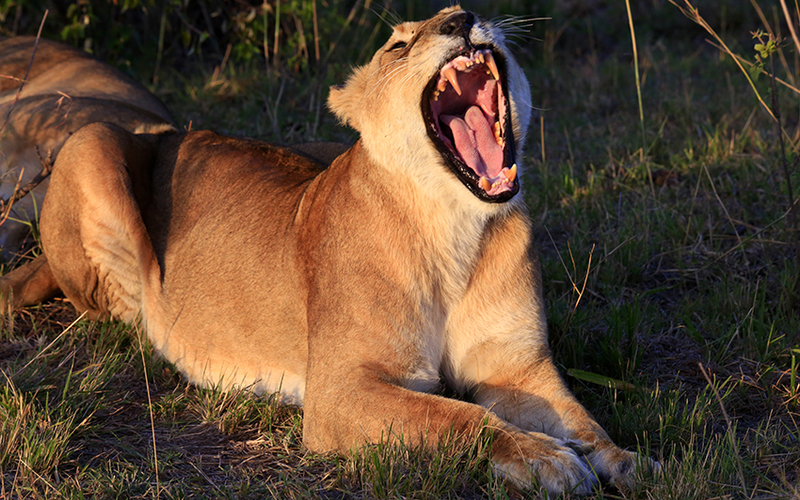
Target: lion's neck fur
{"x":439,"y":217}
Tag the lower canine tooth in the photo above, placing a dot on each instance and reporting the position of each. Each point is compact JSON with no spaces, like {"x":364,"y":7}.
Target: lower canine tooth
{"x":511,"y":174}
{"x":485,"y":184}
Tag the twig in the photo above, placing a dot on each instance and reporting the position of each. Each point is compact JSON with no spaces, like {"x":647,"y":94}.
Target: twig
{"x":770,"y":75}
{"x":694,"y":15}
{"x":7,"y":208}
{"x":764,"y":21}
{"x":30,"y":63}
{"x":21,"y":192}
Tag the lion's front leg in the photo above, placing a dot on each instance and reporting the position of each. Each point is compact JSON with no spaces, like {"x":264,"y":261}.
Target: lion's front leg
{"x":364,"y":407}
{"x":497,"y":339}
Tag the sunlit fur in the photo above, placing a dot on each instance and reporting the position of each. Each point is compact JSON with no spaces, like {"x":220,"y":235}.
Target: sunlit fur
{"x":358,"y":290}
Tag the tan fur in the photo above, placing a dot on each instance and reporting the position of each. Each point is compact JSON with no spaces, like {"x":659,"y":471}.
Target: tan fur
{"x":356,"y":290}
{"x":65,"y":90}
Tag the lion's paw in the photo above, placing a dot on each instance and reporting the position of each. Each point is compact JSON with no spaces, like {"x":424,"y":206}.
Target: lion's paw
{"x":533,"y":458}
{"x":620,"y":467}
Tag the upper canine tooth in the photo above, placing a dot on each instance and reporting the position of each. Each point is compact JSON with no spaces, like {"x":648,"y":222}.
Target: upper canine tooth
{"x":485,"y":184}
{"x":450,"y":74}
{"x":492,"y":65}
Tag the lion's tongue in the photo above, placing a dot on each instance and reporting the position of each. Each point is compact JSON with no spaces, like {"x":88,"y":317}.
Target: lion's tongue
{"x":475,"y":142}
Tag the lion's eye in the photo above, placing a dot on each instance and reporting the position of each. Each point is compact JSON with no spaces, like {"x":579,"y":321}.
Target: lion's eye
{"x":398,"y":46}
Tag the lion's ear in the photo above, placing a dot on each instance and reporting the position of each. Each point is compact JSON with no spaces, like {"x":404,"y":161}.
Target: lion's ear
{"x":346,"y":101}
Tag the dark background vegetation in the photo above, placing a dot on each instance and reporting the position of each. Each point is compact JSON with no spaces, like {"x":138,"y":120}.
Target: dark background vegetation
{"x":672,"y":305}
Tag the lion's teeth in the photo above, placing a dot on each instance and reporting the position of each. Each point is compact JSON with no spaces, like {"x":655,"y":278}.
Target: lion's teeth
{"x":441,"y":86}
{"x":450,"y":74}
{"x":498,"y":136}
{"x":491,"y":64}
{"x":485,"y":184}
{"x":511,"y":173}
{"x":479,"y":56}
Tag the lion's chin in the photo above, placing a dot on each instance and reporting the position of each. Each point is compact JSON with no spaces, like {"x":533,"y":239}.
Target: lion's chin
{"x":469,"y":122}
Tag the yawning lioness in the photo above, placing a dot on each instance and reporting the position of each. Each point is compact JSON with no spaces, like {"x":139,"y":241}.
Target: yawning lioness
{"x":358,"y":290}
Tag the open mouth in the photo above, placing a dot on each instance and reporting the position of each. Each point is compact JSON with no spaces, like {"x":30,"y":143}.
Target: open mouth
{"x":469,"y":121}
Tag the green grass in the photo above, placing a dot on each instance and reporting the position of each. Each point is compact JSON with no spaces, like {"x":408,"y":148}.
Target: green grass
{"x":684,"y":293}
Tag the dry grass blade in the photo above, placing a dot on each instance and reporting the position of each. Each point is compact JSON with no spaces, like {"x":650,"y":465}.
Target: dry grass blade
{"x":140,"y":335}
{"x":734,"y":443}
{"x":67,"y":329}
{"x":791,"y":25}
{"x":585,"y":280}
{"x":724,"y":208}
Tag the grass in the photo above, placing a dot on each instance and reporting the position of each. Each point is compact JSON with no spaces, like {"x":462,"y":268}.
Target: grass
{"x":682,"y":292}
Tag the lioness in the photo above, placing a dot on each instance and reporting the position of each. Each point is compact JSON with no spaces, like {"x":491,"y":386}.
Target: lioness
{"x":357,"y":290}
{"x":65,"y":89}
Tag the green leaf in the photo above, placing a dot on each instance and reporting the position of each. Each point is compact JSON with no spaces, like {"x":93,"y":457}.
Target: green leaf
{"x":595,"y":378}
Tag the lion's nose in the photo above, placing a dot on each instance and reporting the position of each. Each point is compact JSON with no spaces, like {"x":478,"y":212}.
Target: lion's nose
{"x":458,"y":24}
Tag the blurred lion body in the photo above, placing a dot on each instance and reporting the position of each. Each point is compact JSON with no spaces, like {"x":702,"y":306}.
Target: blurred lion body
{"x":65,"y":89}
{"x":358,"y":290}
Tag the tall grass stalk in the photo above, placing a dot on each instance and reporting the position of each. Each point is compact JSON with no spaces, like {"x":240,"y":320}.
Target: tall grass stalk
{"x":795,"y":236}
{"x":265,"y":38}
{"x":316,"y":30}
{"x":789,"y":22}
{"x":160,"y":52}
{"x":275,"y":48}
{"x":638,"y":85}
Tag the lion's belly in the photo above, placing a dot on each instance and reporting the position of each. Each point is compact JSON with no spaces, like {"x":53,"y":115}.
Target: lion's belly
{"x":233,"y":344}
{"x":230,"y":309}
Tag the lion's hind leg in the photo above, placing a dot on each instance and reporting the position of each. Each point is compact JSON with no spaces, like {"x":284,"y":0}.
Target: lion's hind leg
{"x":91,"y":224}
{"x":29,"y":284}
